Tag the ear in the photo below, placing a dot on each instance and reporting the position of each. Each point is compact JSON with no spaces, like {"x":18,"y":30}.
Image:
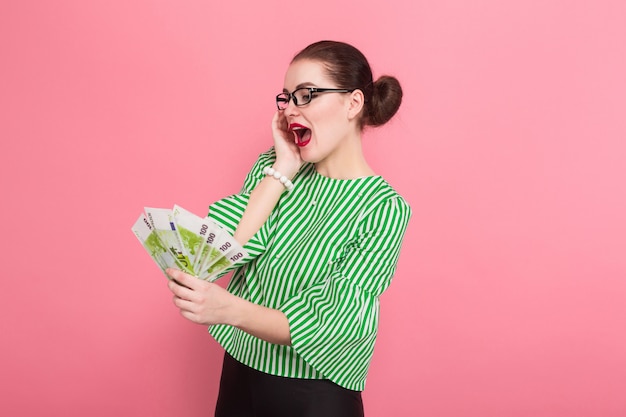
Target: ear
{"x":356,"y":102}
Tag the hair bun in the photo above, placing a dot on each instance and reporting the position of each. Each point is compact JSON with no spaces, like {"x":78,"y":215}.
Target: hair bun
{"x":385,"y":100}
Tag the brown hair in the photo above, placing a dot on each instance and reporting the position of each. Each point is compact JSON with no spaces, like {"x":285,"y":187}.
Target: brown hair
{"x":349,"y":69}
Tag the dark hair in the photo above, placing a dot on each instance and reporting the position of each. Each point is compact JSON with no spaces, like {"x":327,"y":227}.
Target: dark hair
{"x":349,"y":69}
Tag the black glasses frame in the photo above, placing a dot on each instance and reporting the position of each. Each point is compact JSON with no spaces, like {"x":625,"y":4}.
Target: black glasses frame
{"x":284,"y":98}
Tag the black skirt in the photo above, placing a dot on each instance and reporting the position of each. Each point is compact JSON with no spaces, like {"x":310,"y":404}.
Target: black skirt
{"x":246,"y":392}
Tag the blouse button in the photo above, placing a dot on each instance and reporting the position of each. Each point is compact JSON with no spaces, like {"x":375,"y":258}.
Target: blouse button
{"x":313,"y":202}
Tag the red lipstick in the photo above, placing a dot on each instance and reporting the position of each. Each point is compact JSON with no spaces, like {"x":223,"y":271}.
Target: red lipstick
{"x":302,"y":134}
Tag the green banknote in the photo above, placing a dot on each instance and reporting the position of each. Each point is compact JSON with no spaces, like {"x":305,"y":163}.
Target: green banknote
{"x":162,"y":220}
{"x":211,"y":248}
{"x":144,"y":231}
{"x":179,"y":239}
{"x":198,"y":236}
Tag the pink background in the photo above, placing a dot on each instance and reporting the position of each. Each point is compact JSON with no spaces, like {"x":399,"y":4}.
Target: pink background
{"x":510,"y":147}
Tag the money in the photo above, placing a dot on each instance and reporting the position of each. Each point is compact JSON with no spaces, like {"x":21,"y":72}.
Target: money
{"x":197,"y":236}
{"x":211,"y":248}
{"x":144,"y":231}
{"x":163,"y":223}
{"x":179,"y":239}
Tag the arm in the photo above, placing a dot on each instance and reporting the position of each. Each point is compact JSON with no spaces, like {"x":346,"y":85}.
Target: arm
{"x":333,"y":323}
{"x":262,"y":201}
{"x":206,"y":303}
{"x":266,"y":194}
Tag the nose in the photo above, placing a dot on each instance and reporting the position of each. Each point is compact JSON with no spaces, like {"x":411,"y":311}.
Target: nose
{"x":291,"y":108}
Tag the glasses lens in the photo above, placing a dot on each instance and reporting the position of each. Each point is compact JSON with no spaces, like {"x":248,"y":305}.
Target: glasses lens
{"x":302,"y":96}
{"x":282,"y":101}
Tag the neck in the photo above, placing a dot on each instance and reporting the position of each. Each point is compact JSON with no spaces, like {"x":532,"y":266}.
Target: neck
{"x":346,"y":162}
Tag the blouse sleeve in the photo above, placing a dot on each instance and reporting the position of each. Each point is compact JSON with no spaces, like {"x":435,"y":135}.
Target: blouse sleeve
{"x":334,"y":324}
{"x":228,"y":211}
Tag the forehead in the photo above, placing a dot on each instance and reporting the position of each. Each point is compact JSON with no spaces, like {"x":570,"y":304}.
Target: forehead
{"x":306,"y":73}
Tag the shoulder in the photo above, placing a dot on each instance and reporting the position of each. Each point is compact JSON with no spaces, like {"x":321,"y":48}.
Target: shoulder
{"x":385,"y":198}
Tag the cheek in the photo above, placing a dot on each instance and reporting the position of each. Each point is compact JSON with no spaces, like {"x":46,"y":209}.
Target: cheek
{"x":328,"y":122}
{"x":330,"y":128}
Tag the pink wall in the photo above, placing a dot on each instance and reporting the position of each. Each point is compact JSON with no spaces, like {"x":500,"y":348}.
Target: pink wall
{"x":510,"y":147}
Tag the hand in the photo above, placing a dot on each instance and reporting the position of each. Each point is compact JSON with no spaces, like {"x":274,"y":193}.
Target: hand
{"x":288,"y":160}
{"x":206,"y":303}
{"x":200,"y":301}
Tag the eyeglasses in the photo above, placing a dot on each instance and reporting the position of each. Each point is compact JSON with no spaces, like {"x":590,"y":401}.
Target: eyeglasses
{"x":303,"y":96}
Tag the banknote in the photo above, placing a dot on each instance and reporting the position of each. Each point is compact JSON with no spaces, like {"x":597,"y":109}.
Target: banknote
{"x":198,"y":237}
{"x":231,"y":253}
{"x":212,"y":249}
{"x":179,"y":239}
{"x":162,"y":220}
{"x":144,"y":231}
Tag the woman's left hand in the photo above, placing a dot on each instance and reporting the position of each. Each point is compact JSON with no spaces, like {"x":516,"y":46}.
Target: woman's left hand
{"x":200,"y":301}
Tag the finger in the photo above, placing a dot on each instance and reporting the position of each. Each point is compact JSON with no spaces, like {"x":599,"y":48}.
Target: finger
{"x":182,"y":279}
{"x":279,"y":122}
{"x":184,"y":305}
{"x":194,"y":318}
{"x":173,"y":281}
{"x":276,"y":120}
{"x":282,"y":120}
{"x":181,"y":291}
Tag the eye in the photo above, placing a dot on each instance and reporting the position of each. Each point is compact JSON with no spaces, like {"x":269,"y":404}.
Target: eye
{"x":303,"y":95}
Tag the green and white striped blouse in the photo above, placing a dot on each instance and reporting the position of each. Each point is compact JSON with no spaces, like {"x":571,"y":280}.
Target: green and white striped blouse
{"x":324,"y":256}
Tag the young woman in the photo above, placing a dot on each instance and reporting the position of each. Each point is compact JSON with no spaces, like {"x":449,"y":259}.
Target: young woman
{"x":323,"y":232}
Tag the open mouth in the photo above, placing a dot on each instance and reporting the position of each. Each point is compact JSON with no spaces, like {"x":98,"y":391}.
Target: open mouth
{"x":302,"y":134}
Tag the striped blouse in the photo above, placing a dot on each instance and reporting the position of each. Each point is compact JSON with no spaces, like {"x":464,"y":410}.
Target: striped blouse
{"x":324,"y":256}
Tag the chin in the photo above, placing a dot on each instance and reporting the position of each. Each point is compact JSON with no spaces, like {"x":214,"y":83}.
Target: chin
{"x":308,"y":159}
{"x":308,"y":156}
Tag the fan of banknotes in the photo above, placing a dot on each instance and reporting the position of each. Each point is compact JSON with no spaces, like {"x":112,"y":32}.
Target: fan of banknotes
{"x":177,"y":238}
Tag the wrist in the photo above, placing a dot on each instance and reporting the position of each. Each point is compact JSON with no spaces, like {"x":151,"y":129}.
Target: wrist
{"x":288,"y":170}
{"x":278,"y":176}
{"x":240,"y":310}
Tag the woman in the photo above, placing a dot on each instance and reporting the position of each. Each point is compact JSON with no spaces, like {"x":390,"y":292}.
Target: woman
{"x":323,"y":232}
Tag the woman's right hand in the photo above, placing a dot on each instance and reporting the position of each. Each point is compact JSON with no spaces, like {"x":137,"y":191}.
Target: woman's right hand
{"x":288,"y":160}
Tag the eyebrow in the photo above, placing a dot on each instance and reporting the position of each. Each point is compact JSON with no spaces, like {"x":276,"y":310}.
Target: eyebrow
{"x":301,"y":85}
